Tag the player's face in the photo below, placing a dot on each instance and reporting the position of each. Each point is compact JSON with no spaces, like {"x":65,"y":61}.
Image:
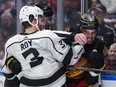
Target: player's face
{"x":48,"y":22}
{"x":41,"y":23}
{"x":90,"y":35}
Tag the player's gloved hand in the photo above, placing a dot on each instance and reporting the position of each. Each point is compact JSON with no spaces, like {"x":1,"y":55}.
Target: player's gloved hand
{"x":91,"y":80}
{"x":96,"y":60}
{"x":12,"y":83}
{"x":75,"y":29}
{"x":13,"y":64}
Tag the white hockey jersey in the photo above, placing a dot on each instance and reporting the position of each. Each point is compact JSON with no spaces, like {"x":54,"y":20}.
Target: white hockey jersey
{"x":42,"y":55}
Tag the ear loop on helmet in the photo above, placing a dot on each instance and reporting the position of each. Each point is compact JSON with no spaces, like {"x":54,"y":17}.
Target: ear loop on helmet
{"x":36,"y":25}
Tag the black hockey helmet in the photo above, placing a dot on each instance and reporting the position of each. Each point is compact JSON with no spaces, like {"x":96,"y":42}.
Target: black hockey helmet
{"x":88,"y":21}
{"x":47,"y":9}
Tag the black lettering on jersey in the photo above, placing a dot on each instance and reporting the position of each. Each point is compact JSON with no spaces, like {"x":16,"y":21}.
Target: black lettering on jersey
{"x":35,"y":60}
{"x":62,"y":43}
{"x":26,"y":44}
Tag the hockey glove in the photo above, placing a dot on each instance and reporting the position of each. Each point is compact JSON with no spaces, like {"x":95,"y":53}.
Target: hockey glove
{"x":91,"y":80}
{"x":12,"y":83}
{"x":96,"y":60}
{"x":75,"y":29}
{"x":13,"y":64}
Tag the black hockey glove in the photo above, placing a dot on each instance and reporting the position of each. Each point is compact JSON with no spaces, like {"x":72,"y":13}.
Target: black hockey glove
{"x":12,"y":83}
{"x":91,"y":80}
{"x":96,"y":60}
{"x":75,"y":29}
{"x":13,"y":64}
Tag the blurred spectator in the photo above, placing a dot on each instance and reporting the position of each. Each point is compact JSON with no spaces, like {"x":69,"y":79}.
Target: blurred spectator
{"x":67,"y":10}
{"x":53,"y":3}
{"x":92,"y":4}
{"x":71,"y":12}
{"x":110,"y":61}
{"x":74,"y":16}
{"x":105,"y":31}
{"x":111,"y":8}
{"x":1,"y":7}
{"x":8,"y":4}
{"x":1,"y":56}
{"x":110,"y":5}
{"x":2,"y":39}
{"x":7,"y":20}
{"x":7,"y":24}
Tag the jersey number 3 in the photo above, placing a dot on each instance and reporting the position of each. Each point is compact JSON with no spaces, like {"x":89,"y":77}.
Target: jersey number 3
{"x":35,"y":60}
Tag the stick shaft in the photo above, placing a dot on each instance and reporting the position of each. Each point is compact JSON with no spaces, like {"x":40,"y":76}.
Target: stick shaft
{"x":94,"y":70}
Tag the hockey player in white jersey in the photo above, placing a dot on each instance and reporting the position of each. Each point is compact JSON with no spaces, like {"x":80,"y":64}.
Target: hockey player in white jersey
{"x":41,"y":54}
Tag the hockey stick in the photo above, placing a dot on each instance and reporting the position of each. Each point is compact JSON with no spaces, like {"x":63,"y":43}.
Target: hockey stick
{"x":94,"y":70}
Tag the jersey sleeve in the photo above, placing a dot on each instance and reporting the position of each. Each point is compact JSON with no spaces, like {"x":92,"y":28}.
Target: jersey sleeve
{"x":62,"y":52}
{"x":67,"y":37}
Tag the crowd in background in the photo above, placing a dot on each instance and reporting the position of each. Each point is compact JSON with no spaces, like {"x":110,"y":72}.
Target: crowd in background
{"x":105,"y":12}
{"x":7,"y":23}
{"x":7,"y":20}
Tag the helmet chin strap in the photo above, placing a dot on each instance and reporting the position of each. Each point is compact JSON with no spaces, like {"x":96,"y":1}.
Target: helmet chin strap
{"x":36,"y":25}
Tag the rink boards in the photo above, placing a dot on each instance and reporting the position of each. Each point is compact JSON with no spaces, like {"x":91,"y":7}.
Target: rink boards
{"x":107,"y":80}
